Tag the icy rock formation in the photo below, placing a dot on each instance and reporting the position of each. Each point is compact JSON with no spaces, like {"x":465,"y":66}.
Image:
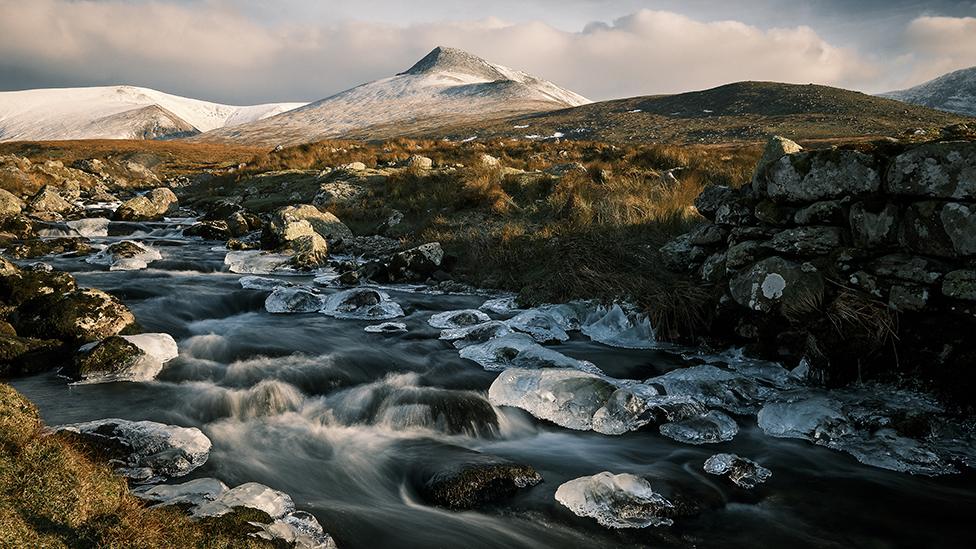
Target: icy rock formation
{"x":615,"y":328}
{"x":147,"y":451}
{"x":541,"y":326}
{"x":568,"y":398}
{"x":501,"y":305}
{"x":256,"y":262}
{"x":386,"y":328}
{"x":261,"y":283}
{"x":122,"y":358}
{"x":457,"y":319}
{"x":743,"y":472}
{"x":616,"y":501}
{"x":520,"y":351}
{"x":194,"y":492}
{"x":479,"y":333}
{"x":125,"y":256}
{"x":292,"y":300}
{"x":634,"y":406}
{"x":298,"y":528}
{"x":362,"y":304}
{"x":880,"y":426}
{"x":707,"y":429}
{"x":716,"y":387}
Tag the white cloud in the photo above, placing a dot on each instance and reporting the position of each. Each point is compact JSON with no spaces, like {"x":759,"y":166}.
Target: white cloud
{"x":212,"y":50}
{"x":941,"y":45}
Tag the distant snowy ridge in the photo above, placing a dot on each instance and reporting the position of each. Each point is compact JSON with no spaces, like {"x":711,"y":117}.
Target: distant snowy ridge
{"x":446,"y":85}
{"x":117,"y":112}
{"x":953,"y":92}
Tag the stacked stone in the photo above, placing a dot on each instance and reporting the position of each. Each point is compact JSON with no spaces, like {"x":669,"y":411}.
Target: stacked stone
{"x":896,"y":226}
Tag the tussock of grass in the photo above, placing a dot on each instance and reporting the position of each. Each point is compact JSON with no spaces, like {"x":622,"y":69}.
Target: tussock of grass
{"x":52,"y":494}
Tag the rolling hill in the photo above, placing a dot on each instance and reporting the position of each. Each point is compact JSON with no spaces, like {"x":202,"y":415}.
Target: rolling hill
{"x":116,"y":112}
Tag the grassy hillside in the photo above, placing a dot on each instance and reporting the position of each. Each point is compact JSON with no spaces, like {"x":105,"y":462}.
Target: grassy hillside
{"x":743,"y":111}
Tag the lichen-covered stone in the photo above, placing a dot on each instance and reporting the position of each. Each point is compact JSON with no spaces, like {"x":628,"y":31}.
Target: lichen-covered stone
{"x":111,"y":355}
{"x":937,"y":170}
{"x":421,"y":261}
{"x":921,"y":230}
{"x":777,"y":147}
{"x":959,"y":222}
{"x":80,"y":316}
{"x":807,"y":241}
{"x":711,"y":199}
{"x":681,"y":255}
{"x":822,"y":175}
{"x":874,"y":225}
{"x":825,"y":212}
{"x":776,"y":283}
{"x":908,"y":298}
{"x":10,"y":205}
{"x":960,"y":285}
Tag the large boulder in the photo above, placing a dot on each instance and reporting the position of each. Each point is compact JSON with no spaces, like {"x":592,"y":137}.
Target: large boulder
{"x":777,"y":147}
{"x":417,"y":263}
{"x":286,"y":224}
{"x":775,"y":284}
{"x":18,"y":286}
{"x":80,"y":316}
{"x":49,"y":200}
{"x":418,"y":162}
{"x":109,"y":356}
{"x":822,"y":175}
{"x":10,"y":205}
{"x":310,"y":251}
{"x":937,"y":170}
{"x":152,"y":206}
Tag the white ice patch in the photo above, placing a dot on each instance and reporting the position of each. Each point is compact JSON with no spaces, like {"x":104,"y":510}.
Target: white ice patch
{"x":473,"y":335}
{"x":362,"y":304}
{"x":541,"y":326}
{"x":156,"y":451}
{"x":521,"y":351}
{"x":615,"y":501}
{"x":135,"y":263}
{"x":386,"y":328}
{"x":257,"y":262}
{"x":292,"y":300}
{"x":568,"y":398}
{"x":615,"y":328}
{"x":275,"y":503}
{"x":96,"y":227}
{"x":501,"y":305}
{"x":710,"y":428}
{"x":262,"y":283}
{"x":194,"y":492}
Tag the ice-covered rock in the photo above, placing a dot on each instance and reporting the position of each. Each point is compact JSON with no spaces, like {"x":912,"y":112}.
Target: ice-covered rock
{"x":457,"y":319}
{"x":299,"y":529}
{"x":568,"y":398}
{"x":145,"y":450}
{"x":617,"y":328}
{"x":634,"y":406}
{"x":501,"y":305}
{"x":253,"y":495}
{"x":194,"y":492}
{"x":262,"y":283}
{"x":771,"y":373}
{"x":257,"y":262}
{"x":89,"y":227}
{"x":105,"y":362}
{"x":292,"y":300}
{"x":716,"y":387}
{"x":521,"y":351}
{"x":479,"y":333}
{"x":362,"y":304}
{"x":616,"y":501}
{"x":125,"y":256}
{"x":880,"y":426}
{"x":540,"y":325}
{"x":743,"y":472}
{"x":710,"y":428}
{"x":386,"y":328}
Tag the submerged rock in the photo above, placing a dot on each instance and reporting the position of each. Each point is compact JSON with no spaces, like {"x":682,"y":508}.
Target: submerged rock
{"x":743,"y":472}
{"x":362,"y":304}
{"x":458,"y":478}
{"x":479,"y":333}
{"x":386,"y":328}
{"x":144,"y":450}
{"x":616,"y":501}
{"x":501,"y":305}
{"x":285,"y":300}
{"x":521,"y":351}
{"x":256,"y":262}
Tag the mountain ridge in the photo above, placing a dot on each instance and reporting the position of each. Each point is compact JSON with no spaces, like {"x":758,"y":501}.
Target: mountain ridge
{"x":953,"y":92}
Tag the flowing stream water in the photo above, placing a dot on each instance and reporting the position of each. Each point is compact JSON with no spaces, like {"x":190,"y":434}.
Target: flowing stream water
{"x":312,"y":406}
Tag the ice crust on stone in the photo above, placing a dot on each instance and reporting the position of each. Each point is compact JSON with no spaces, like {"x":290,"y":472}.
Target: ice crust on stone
{"x":194,"y":492}
{"x":257,"y":262}
{"x":615,"y":328}
{"x":138,"y":262}
{"x":154,"y":451}
{"x":479,"y":333}
{"x":568,"y":398}
{"x":275,"y":503}
{"x":543,"y":327}
{"x":880,"y":426}
{"x":743,"y":472}
{"x":716,"y":387}
{"x":386,"y":328}
{"x":292,"y":300}
{"x":262,"y":283}
{"x":711,"y":428}
{"x":158,"y":349}
{"x":457,"y":319}
{"x":501,"y":305}
{"x":616,"y":501}
{"x":362,"y":304}
{"x":521,"y":351}
{"x":634,"y":406}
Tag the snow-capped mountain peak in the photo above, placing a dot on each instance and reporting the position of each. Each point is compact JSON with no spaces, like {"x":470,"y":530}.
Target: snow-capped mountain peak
{"x":953,"y":92}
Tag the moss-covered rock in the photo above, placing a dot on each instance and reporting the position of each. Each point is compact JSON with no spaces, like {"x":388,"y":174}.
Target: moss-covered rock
{"x":23,"y":285}
{"x":76,"y":246}
{"x":80,"y":316}
{"x":110,"y":355}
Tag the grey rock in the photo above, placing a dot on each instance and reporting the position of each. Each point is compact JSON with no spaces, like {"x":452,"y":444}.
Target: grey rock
{"x":959,"y":222}
{"x":713,"y":269}
{"x":776,"y":283}
{"x":772,"y":213}
{"x":960,"y":285}
{"x":743,"y":254}
{"x":938,"y":170}
{"x":776,"y":148}
{"x":908,"y":298}
{"x":708,"y":235}
{"x":680,"y":255}
{"x":825,"y":212}
{"x":921,"y":230}
{"x":821,"y":175}
{"x":906,"y":268}
{"x":873,"y":225}
{"x":711,"y":198}
{"x":420,"y":162}
{"x":10,"y":205}
{"x":807,"y":240}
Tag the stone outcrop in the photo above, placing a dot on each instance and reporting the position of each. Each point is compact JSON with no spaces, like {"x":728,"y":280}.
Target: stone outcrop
{"x":149,"y":207}
{"x":851,"y":261}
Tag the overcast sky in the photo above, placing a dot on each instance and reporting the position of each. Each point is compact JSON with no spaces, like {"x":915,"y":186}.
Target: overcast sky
{"x":251,"y":51}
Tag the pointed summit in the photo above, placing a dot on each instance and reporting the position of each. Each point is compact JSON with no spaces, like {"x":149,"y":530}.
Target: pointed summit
{"x":453,"y":60}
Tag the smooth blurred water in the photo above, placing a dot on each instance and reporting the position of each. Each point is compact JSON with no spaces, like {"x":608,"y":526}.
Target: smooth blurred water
{"x":339,"y":419}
